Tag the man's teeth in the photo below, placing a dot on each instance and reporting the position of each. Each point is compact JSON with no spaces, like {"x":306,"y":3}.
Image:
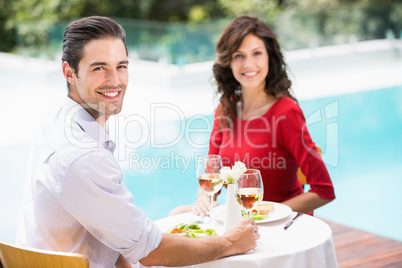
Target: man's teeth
{"x":250,"y":74}
{"x":111,"y":94}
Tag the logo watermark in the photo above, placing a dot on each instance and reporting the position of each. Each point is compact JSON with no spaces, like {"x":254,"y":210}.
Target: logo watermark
{"x":186,"y":138}
{"x":329,"y":117}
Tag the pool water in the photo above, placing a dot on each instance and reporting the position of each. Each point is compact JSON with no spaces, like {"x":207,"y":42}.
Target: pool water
{"x":361,"y":138}
{"x":368,"y":177}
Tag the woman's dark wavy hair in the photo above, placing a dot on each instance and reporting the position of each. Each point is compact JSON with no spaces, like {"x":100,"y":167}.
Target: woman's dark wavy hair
{"x":277,"y":83}
{"x":78,"y":33}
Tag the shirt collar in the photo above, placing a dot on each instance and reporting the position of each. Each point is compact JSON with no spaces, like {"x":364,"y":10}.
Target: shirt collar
{"x":88,"y":124}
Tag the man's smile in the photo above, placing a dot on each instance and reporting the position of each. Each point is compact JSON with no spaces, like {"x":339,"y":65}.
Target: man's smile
{"x":112,"y":95}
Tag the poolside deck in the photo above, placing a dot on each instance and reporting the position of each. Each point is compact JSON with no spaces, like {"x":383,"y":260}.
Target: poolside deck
{"x":355,"y":248}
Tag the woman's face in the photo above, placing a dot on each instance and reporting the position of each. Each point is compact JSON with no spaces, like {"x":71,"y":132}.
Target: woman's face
{"x":249,"y":63}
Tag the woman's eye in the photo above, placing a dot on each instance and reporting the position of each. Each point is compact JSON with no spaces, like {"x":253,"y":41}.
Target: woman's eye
{"x":237,"y":56}
{"x":257,"y":53}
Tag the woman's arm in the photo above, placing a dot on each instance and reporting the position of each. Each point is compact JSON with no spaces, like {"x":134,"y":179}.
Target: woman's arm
{"x":306,"y":202}
{"x":296,"y":138}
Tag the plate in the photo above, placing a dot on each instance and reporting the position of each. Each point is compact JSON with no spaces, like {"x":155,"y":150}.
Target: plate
{"x":281,"y":211}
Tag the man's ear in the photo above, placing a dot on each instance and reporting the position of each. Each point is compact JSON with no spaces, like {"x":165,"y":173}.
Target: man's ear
{"x":68,"y":73}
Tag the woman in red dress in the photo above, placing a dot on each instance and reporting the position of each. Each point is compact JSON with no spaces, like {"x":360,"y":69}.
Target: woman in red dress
{"x":259,"y":121}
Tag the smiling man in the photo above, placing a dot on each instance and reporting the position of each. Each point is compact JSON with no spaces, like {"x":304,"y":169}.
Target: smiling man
{"x":75,"y":200}
{"x":100,"y":82}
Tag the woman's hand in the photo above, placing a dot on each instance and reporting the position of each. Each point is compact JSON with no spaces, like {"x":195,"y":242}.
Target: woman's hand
{"x":203,"y":204}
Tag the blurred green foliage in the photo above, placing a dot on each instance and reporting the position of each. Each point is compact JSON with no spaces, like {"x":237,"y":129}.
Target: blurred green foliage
{"x":181,"y":31}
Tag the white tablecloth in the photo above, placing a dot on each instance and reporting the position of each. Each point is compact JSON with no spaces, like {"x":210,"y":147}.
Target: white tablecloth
{"x":307,"y":243}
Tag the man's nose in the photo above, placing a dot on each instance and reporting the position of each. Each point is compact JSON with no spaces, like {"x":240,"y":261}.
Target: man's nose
{"x":113,"y":78}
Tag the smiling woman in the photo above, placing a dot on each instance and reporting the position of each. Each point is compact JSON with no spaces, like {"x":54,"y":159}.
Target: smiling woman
{"x":255,"y":94}
{"x":249,"y":65}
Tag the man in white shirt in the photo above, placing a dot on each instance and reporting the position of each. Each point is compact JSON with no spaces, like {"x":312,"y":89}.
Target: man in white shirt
{"x":75,"y":200}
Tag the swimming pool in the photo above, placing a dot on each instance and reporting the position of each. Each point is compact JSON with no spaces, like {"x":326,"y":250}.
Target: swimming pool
{"x":360,"y":134}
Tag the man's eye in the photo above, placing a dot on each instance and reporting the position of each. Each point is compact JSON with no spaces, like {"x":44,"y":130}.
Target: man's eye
{"x":98,"y":68}
{"x":122,"y":67}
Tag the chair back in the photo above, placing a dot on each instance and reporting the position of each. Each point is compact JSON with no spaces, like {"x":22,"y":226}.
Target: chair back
{"x":14,"y":256}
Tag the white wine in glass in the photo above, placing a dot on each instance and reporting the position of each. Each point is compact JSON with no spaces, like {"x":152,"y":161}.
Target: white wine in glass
{"x":249,"y":190}
{"x":210,"y":182}
{"x":208,"y":174}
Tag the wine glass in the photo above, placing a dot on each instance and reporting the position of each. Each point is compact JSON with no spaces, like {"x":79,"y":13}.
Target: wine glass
{"x":249,"y":190}
{"x":208,"y":174}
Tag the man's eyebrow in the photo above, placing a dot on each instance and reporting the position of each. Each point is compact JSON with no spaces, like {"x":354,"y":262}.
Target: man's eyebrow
{"x":98,"y":63}
{"x":101,"y":63}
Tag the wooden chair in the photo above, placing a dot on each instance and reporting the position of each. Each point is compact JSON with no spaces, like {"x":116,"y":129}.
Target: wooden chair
{"x":302,"y":178}
{"x":14,"y":256}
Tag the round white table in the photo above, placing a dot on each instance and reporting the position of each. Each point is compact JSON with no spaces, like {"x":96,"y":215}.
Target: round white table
{"x":306,"y":243}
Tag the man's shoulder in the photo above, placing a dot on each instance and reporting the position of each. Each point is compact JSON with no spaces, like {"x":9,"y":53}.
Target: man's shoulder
{"x":69,"y":153}
{"x":66,"y":140}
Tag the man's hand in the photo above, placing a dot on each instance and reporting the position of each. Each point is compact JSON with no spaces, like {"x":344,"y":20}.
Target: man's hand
{"x":243,"y":236}
{"x":238,"y":239}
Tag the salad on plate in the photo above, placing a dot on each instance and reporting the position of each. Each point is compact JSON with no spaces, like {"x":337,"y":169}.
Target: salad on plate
{"x":191,"y":230}
{"x":261,"y":212}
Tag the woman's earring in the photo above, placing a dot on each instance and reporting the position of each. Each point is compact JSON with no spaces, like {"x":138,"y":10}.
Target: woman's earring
{"x":238,"y":91}
{"x":238,"y":103}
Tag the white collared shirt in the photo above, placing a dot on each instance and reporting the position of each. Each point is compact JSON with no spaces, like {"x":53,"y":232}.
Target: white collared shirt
{"x":75,"y":200}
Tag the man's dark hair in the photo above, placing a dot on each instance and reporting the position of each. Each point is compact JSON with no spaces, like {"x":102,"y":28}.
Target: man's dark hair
{"x":78,"y":33}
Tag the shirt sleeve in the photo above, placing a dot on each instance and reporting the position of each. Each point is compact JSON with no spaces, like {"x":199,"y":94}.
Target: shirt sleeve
{"x":93,"y":192}
{"x":296,"y":138}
